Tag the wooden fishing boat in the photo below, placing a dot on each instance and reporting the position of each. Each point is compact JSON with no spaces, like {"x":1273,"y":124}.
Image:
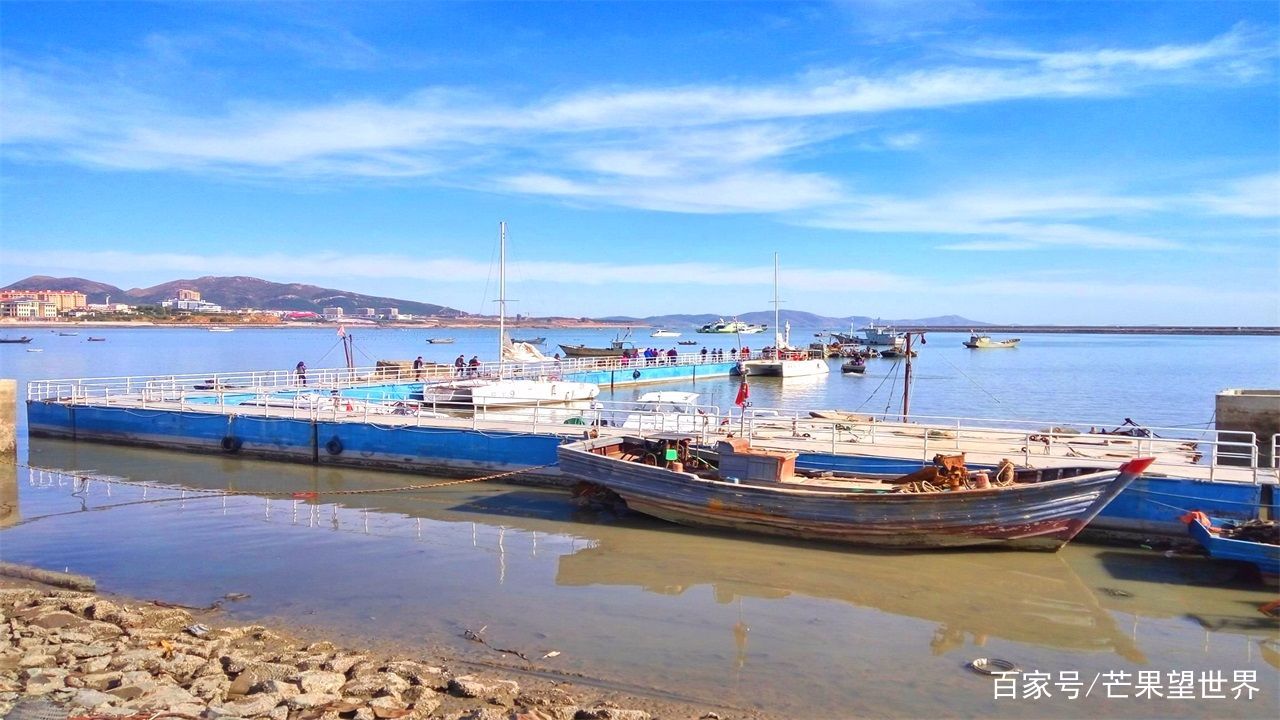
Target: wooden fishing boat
{"x":620,"y":344}
{"x":18,"y":340}
{"x":530,"y":341}
{"x":734,"y":487}
{"x":687,"y":342}
{"x":853,"y":367}
{"x":1219,"y":543}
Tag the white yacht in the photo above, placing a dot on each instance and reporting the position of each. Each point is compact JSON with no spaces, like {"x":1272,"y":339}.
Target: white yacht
{"x":785,"y":360}
{"x":661,"y":333}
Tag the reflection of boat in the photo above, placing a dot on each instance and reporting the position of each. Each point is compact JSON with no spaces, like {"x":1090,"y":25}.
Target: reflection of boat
{"x":619,"y":345}
{"x":664,"y":333}
{"x":1221,"y":545}
{"x":18,"y":340}
{"x":979,"y":342}
{"x":731,"y":327}
{"x":1030,"y":598}
{"x":440,"y":341}
{"x":735,"y":487}
{"x":530,"y":341}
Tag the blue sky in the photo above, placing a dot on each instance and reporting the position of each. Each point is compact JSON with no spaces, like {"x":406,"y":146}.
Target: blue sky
{"x":1060,"y":162}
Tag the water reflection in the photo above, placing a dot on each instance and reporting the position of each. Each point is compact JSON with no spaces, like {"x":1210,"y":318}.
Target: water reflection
{"x":779,"y":624}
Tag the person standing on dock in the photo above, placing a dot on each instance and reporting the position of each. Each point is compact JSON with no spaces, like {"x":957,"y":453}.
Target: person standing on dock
{"x":301,"y":371}
{"x":473,"y":365}
{"x":417,"y":368}
{"x":458,"y":365}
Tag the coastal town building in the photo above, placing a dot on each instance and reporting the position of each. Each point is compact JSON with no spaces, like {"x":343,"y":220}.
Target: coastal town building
{"x":28,"y":308}
{"x":333,"y":313}
{"x":389,"y":313}
{"x":63,"y":300}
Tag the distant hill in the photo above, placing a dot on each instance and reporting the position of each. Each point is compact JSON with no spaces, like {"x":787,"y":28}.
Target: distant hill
{"x":249,"y":292}
{"x":797,"y":318}
{"x":236,"y":293}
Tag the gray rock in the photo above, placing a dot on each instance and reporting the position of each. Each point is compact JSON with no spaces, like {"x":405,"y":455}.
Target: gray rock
{"x":309,"y":700}
{"x":81,"y":652}
{"x":143,"y":659}
{"x":95,"y":665}
{"x":321,"y":681}
{"x":279,"y":712}
{"x":183,"y":666}
{"x":376,"y":684}
{"x":90,"y":699}
{"x":344,"y":662}
{"x":252,"y":706}
{"x":99,"y":680}
{"x":470,"y":686}
{"x":43,"y":684}
{"x":485,"y":714}
{"x":387,"y":707}
{"x":283,"y":688}
{"x":419,"y":694}
{"x":162,"y":697}
{"x":37,"y":660}
{"x":57,"y":619}
{"x":365,"y":713}
{"x":210,"y":688}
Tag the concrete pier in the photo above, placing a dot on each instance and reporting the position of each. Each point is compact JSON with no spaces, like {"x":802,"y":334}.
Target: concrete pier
{"x":1250,"y":411}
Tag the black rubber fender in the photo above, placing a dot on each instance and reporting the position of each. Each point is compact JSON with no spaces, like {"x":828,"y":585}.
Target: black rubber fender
{"x":334,"y":446}
{"x":231,"y":444}
{"x":635,"y":374}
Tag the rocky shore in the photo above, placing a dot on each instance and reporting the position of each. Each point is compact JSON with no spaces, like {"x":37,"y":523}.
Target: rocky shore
{"x":66,"y":653}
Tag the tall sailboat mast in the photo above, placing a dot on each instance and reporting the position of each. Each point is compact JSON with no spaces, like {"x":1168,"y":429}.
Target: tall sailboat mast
{"x":777,"y":329}
{"x":502,"y":293}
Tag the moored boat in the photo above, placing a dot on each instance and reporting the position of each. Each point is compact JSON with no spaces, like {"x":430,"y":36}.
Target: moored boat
{"x":854,"y":366}
{"x":687,"y":342}
{"x":982,"y":342}
{"x":440,"y":341}
{"x":617,"y":347}
{"x":734,"y":487}
{"x":18,"y":340}
{"x":785,"y":360}
{"x":530,"y":341}
{"x":97,"y":339}
{"x":660,"y":332}
{"x":1255,"y":543}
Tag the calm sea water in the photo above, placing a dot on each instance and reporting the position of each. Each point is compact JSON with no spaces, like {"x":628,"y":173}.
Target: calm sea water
{"x":795,"y":630}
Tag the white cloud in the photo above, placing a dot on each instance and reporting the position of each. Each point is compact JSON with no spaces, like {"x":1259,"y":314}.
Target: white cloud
{"x":1253,"y":197}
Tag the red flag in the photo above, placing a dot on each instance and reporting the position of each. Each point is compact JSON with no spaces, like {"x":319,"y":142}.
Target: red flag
{"x":744,"y":391}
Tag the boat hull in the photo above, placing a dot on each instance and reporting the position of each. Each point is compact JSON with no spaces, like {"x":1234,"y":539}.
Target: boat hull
{"x":1035,"y":516}
{"x":582,"y":351}
{"x":1263,"y":556}
{"x":786,"y":368}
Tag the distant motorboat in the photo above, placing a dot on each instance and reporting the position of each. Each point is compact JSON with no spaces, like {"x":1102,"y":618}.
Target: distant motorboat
{"x":982,"y":342}
{"x":529,"y":341}
{"x":24,"y":339}
{"x":687,"y":342}
{"x":440,"y":341}
{"x":853,"y":367}
{"x":68,"y":334}
{"x":35,"y":349}
{"x":97,"y":339}
{"x":664,"y":333}
{"x":220,"y":329}
{"x":895,"y":352}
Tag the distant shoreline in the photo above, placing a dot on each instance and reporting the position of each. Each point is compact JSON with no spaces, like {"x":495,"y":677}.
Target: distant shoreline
{"x":487,"y":325}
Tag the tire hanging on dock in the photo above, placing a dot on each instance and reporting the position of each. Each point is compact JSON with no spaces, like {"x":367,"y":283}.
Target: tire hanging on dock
{"x":231,"y":444}
{"x":334,"y":446}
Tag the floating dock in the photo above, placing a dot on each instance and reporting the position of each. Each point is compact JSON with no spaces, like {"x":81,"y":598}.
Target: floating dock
{"x":374,"y":417}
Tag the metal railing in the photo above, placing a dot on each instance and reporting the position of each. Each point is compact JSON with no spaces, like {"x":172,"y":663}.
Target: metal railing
{"x":381,"y":395}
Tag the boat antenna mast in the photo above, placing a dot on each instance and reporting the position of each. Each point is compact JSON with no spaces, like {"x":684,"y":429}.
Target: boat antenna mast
{"x":906,"y":375}
{"x":778,"y":341}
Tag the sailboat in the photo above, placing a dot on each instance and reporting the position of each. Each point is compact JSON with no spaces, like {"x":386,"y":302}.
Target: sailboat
{"x":786,"y":361}
{"x":536,"y":385}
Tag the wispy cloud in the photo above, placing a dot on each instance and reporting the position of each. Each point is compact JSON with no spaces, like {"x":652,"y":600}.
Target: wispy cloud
{"x":1254,"y":197}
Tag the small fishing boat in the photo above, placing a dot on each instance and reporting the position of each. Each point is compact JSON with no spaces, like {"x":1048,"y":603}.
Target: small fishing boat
{"x":220,"y":329}
{"x":35,"y":349}
{"x":853,"y":367}
{"x":529,"y":341}
{"x":664,"y":333}
{"x":687,"y":342}
{"x":982,"y":342}
{"x":617,"y":347}
{"x":1256,"y":542}
{"x":68,"y":334}
{"x":23,"y":340}
{"x":440,"y":341}
{"x":97,"y":339}
{"x":894,"y":352}
{"x":735,"y":487}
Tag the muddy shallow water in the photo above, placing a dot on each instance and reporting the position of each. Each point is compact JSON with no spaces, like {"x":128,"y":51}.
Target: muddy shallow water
{"x":793,"y":629}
